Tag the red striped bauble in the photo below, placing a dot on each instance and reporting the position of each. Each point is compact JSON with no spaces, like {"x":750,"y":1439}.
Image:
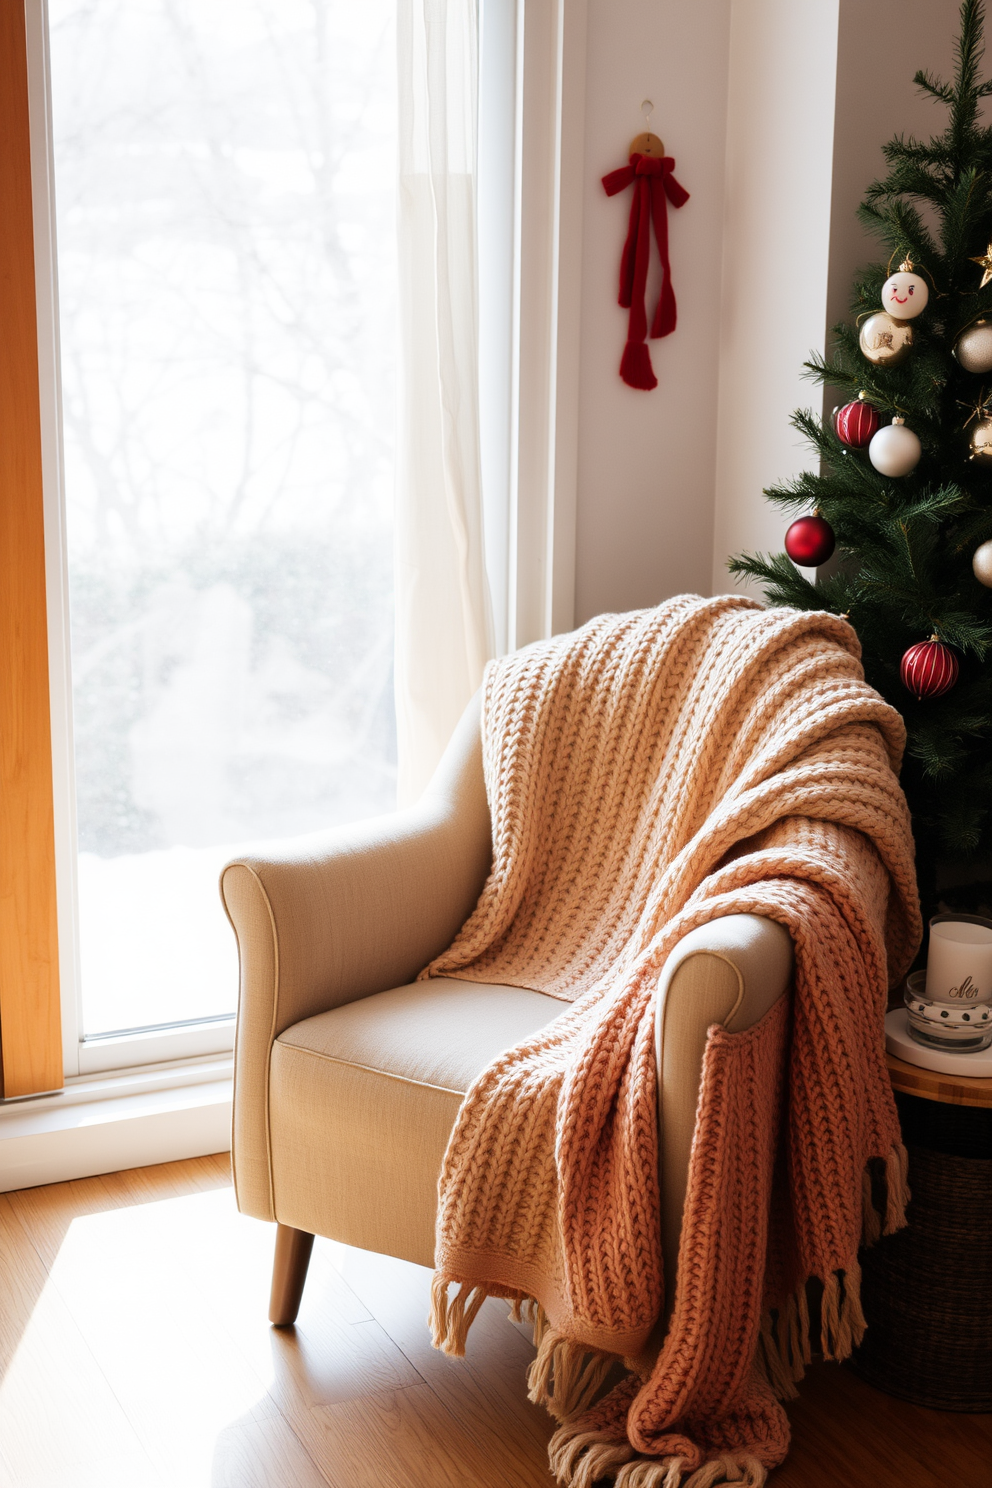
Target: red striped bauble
{"x":856,"y":423}
{"x":929,"y":669}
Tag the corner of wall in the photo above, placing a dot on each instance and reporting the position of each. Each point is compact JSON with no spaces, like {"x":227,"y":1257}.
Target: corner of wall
{"x":776,"y":230}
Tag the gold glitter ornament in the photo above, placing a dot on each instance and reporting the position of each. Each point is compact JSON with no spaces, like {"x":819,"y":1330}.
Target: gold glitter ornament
{"x":982,"y":564}
{"x":884,"y":340}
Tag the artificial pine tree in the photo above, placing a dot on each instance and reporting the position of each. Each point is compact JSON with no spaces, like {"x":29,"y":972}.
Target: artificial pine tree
{"x":906,"y":544}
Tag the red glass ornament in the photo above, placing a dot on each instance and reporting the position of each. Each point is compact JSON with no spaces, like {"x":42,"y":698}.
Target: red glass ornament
{"x":856,"y":423}
{"x":810,"y":541}
{"x":929,"y":669}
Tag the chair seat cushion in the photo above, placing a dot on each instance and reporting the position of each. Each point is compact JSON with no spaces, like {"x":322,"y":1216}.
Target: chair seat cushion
{"x":362,"y":1100}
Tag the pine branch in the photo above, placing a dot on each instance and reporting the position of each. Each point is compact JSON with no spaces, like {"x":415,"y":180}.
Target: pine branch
{"x":936,"y":505}
{"x":934,"y":155}
{"x":929,"y":84}
{"x":969,"y":50}
{"x":961,"y":629}
{"x":784,"y":585}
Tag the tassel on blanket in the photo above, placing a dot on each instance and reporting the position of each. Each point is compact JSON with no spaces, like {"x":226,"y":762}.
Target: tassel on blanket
{"x":897,"y":1189}
{"x":784,"y":1347}
{"x":871,"y":1220}
{"x":451,"y":1317}
{"x":565,"y":1377}
{"x":579,"y":1460}
{"x":664,"y":1472}
{"x":776,"y":1367}
{"x":897,"y":1196}
{"x":842,"y":1323}
{"x":747,"y":1472}
{"x":524,"y":1310}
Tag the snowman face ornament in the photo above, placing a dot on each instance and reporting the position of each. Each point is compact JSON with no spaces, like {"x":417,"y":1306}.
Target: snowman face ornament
{"x":904,"y":295}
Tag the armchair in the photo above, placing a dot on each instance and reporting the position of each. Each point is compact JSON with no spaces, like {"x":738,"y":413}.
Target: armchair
{"x":349,"y":1074}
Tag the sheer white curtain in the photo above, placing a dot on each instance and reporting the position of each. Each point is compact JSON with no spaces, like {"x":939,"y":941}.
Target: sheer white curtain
{"x":444,"y":629}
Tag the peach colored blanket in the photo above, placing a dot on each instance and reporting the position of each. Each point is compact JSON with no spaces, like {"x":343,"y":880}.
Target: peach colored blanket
{"x":648,"y":773}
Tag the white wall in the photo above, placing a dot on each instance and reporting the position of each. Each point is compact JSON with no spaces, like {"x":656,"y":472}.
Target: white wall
{"x":780,"y":125}
{"x":646,"y":460}
{"x":775,"y":111}
{"x":875,"y":100}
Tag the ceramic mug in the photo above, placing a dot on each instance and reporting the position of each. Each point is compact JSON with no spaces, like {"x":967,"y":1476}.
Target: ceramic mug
{"x":959,"y":962}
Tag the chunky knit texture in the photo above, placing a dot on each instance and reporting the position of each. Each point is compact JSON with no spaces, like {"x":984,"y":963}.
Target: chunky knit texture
{"x":646,"y":774}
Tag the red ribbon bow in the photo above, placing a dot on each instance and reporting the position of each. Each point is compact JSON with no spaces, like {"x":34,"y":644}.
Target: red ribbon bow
{"x":653,"y":182}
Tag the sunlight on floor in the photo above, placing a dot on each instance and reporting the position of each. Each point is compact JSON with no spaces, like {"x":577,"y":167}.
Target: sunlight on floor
{"x":147,"y":1358}
{"x":132,"y":1283}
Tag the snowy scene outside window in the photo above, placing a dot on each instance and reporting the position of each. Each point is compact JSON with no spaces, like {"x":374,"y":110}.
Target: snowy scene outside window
{"x":225,"y":211}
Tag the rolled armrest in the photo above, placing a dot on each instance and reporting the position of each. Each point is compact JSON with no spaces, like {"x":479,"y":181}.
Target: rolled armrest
{"x":329,"y":918}
{"x":730,"y":971}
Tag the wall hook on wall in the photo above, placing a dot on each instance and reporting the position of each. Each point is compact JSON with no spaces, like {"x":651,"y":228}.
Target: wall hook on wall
{"x":647,"y":143}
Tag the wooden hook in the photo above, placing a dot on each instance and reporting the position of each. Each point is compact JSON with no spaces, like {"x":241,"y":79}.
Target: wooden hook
{"x":647,"y":144}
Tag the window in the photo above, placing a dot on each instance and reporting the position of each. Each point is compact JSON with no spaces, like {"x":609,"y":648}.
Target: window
{"x":226,"y":188}
{"x":225,"y":184}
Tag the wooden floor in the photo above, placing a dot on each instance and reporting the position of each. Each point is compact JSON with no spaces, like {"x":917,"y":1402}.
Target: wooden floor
{"x":134,"y":1350}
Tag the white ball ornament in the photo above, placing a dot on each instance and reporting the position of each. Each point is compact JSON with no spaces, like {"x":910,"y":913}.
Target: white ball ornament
{"x":982,"y":564}
{"x":905,"y":295}
{"x":895,"y":450}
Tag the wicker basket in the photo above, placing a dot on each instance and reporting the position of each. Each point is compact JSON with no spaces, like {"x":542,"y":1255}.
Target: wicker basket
{"x":927,"y":1291}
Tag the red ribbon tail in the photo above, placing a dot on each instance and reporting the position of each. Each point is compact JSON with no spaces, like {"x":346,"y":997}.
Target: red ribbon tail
{"x":666,"y":314}
{"x":635,"y":366}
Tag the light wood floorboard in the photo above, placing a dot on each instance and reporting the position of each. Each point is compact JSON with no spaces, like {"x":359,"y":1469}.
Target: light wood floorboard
{"x":135,"y":1353}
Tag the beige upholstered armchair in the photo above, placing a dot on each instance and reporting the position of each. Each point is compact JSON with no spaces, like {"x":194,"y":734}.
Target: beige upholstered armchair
{"x":349,"y":1074}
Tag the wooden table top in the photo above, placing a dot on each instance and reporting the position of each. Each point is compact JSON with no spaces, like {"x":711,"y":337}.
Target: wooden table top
{"x":954,"y":1090}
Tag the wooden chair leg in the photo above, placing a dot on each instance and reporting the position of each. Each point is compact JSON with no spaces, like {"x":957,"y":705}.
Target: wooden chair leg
{"x":289,"y":1274}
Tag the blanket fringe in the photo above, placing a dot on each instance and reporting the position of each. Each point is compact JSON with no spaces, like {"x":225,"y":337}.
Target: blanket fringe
{"x":784,"y":1345}
{"x":525,"y":1310}
{"x":647,"y":1472}
{"x":565,"y":1377}
{"x":580,"y":1459}
{"x":871,"y":1220}
{"x":451,"y":1317}
{"x":745,"y":1471}
{"x":897,"y":1188}
{"x":842,"y":1322}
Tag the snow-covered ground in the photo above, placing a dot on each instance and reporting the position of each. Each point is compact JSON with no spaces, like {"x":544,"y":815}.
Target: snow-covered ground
{"x":156,"y":945}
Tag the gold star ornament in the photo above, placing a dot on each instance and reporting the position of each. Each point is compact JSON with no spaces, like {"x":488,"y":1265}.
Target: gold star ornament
{"x":985,"y":264}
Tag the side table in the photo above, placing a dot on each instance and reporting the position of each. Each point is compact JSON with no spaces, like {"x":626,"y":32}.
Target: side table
{"x":953,"y":1090}
{"x":927,"y":1290}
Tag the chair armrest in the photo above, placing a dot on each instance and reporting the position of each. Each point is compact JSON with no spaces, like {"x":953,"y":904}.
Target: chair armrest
{"x":730,"y":971}
{"x":326,"y":919}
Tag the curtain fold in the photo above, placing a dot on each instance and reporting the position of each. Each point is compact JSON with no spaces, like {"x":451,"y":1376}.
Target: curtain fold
{"x":444,"y":628}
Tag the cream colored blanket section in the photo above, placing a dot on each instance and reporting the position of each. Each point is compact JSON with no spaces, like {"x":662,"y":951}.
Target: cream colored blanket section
{"x":648,"y":773}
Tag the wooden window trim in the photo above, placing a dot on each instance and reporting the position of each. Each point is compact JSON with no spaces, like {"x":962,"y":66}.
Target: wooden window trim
{"x":30,"y":1012}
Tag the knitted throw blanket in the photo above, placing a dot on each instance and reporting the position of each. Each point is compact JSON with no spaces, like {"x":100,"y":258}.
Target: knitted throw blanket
{"x":648,"y":773}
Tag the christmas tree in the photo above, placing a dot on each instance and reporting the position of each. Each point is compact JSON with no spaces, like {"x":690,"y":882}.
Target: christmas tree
{"x":905,"y":479}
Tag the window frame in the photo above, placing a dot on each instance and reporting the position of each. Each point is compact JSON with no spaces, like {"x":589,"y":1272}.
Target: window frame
{"x":30,"y":1034}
